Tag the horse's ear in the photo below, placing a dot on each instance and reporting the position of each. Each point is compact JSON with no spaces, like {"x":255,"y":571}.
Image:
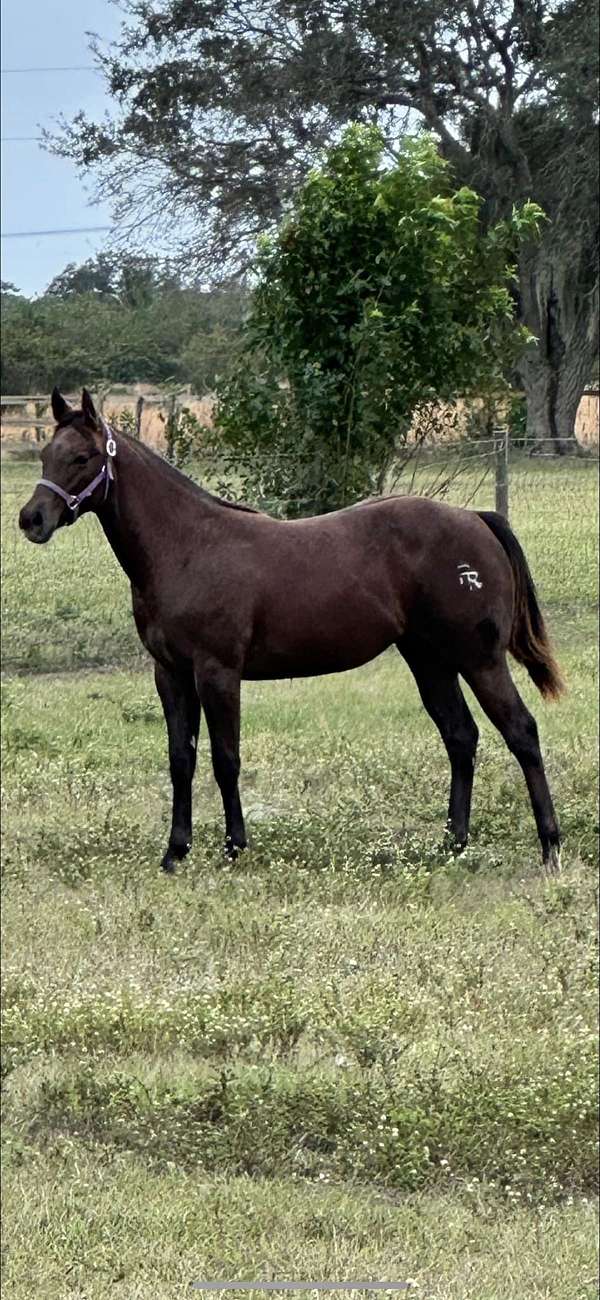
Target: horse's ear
{"x":59,"y":406}
{"x":89,"y":410}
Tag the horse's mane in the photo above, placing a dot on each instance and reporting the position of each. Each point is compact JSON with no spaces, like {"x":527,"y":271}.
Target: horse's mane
{"x":149,"y":454}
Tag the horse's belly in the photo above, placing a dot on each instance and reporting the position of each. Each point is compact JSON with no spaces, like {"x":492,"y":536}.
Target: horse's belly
{"x":315,"y":646}
{"x":271,"y":667}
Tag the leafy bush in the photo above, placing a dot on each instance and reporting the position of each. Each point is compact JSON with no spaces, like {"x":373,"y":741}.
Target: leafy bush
{"x":380,"y":293}
{"x":517,"y":419}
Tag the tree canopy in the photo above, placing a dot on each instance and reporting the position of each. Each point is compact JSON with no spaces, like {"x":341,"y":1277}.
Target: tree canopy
{"x":380,"y":292}
{"x":222,"y":107}
{"x":118,"y":319}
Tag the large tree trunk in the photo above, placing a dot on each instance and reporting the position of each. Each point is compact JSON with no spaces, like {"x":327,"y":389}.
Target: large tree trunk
{"x":563,"y":316}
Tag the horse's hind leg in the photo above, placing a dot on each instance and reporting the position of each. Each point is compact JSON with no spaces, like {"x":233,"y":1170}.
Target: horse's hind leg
{"x":445,"y":703}
{"x":498,"y":696}
{"x":181,"y":708}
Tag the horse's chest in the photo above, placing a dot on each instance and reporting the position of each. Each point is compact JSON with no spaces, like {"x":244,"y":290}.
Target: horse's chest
{"x":150,"y":630}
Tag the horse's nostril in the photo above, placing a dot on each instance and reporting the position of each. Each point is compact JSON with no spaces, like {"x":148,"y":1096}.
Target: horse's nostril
{"x":30,"y":519}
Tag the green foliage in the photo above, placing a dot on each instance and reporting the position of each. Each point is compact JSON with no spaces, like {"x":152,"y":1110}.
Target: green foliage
{"x":380,"y":292}
{"x":533,"y":1135}
{"x":283,"y":80}
{"x":119,"y":321}
{"x":125,"y":420}
{"x":234,"y":107}
{"x":517,"y":419}
{"x":184,"y":435}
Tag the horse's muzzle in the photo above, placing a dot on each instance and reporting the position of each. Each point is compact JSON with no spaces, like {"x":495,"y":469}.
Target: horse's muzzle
{"x":38,"y":521}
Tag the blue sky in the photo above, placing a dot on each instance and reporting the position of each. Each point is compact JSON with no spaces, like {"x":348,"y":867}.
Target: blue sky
{"x":40,"y":192}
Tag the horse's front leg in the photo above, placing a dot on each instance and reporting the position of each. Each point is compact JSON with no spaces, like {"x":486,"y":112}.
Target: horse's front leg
{"x":219,"y":691}
{"x":182,"y":714}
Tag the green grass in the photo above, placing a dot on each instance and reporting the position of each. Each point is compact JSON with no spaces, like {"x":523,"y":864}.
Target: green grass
{"x":84,"y":1227}
{"x":345,"y":1056}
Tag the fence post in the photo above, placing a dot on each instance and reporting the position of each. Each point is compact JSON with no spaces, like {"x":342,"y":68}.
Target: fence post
{"x":39,"y":408}
{"x":501,"y":445}
{"x":171,"y":425}
{"x":139,"y":406}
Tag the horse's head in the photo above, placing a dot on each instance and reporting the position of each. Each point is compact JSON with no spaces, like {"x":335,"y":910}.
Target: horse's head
{"x":70,"y":461}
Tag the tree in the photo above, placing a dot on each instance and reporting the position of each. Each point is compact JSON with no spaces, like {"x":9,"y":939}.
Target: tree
{"x":380,"y":292}
{"x":559,"y":286}
{"x":98,"y":275}
{"x":222,"y":106}
{"x":133,"y":280}
{"x":118,"y":318}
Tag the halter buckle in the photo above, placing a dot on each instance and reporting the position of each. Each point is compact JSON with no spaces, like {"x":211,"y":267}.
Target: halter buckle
{"x":111,"y":446}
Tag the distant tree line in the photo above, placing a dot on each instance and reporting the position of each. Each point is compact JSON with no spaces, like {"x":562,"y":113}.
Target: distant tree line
{"x":118,"y":318}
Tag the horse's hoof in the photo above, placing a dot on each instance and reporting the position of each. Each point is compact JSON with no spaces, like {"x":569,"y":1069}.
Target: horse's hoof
{"x":232,"y":851}
{"x":174,"y":854}
{"x":552,"y":862}
{"x":453,"y":845}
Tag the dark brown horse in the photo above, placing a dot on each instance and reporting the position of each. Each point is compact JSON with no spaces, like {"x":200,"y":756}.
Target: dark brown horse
{"x":222,"y":593}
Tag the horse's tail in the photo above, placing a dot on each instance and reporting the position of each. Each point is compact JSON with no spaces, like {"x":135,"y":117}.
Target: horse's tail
{"x":529,"y":642}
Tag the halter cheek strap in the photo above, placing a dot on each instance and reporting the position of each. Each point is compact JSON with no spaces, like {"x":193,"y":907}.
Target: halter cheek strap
{"x":106,"y":475}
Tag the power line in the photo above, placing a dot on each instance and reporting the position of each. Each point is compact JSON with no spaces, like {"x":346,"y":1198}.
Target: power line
{"x":67,"y":230}
{"x":20,"y":139}
{"x":77,"y":68}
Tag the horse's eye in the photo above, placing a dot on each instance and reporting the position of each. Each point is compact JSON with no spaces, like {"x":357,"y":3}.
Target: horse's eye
{"x":81,"y":460}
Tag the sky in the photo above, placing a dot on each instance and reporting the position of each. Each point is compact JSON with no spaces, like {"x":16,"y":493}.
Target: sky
{"x":40,"y":192}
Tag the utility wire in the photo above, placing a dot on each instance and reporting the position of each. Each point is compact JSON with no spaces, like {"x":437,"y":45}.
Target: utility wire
{"x":78,"y":68}
{"x":67,"y":230}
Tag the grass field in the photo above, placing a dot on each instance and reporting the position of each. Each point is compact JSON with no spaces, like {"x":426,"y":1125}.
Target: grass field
{"x":346,"y":1056}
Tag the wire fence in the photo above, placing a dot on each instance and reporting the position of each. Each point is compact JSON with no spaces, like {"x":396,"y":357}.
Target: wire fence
{"x":28,"y":419}
{"x":67,"y":606}
{"x":151,"y":415}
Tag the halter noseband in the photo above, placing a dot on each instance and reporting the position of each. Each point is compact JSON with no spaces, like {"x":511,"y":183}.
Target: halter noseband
{"x":106,"y":474}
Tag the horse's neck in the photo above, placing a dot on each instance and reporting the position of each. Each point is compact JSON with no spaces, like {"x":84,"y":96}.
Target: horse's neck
{"x":142,"y":516}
